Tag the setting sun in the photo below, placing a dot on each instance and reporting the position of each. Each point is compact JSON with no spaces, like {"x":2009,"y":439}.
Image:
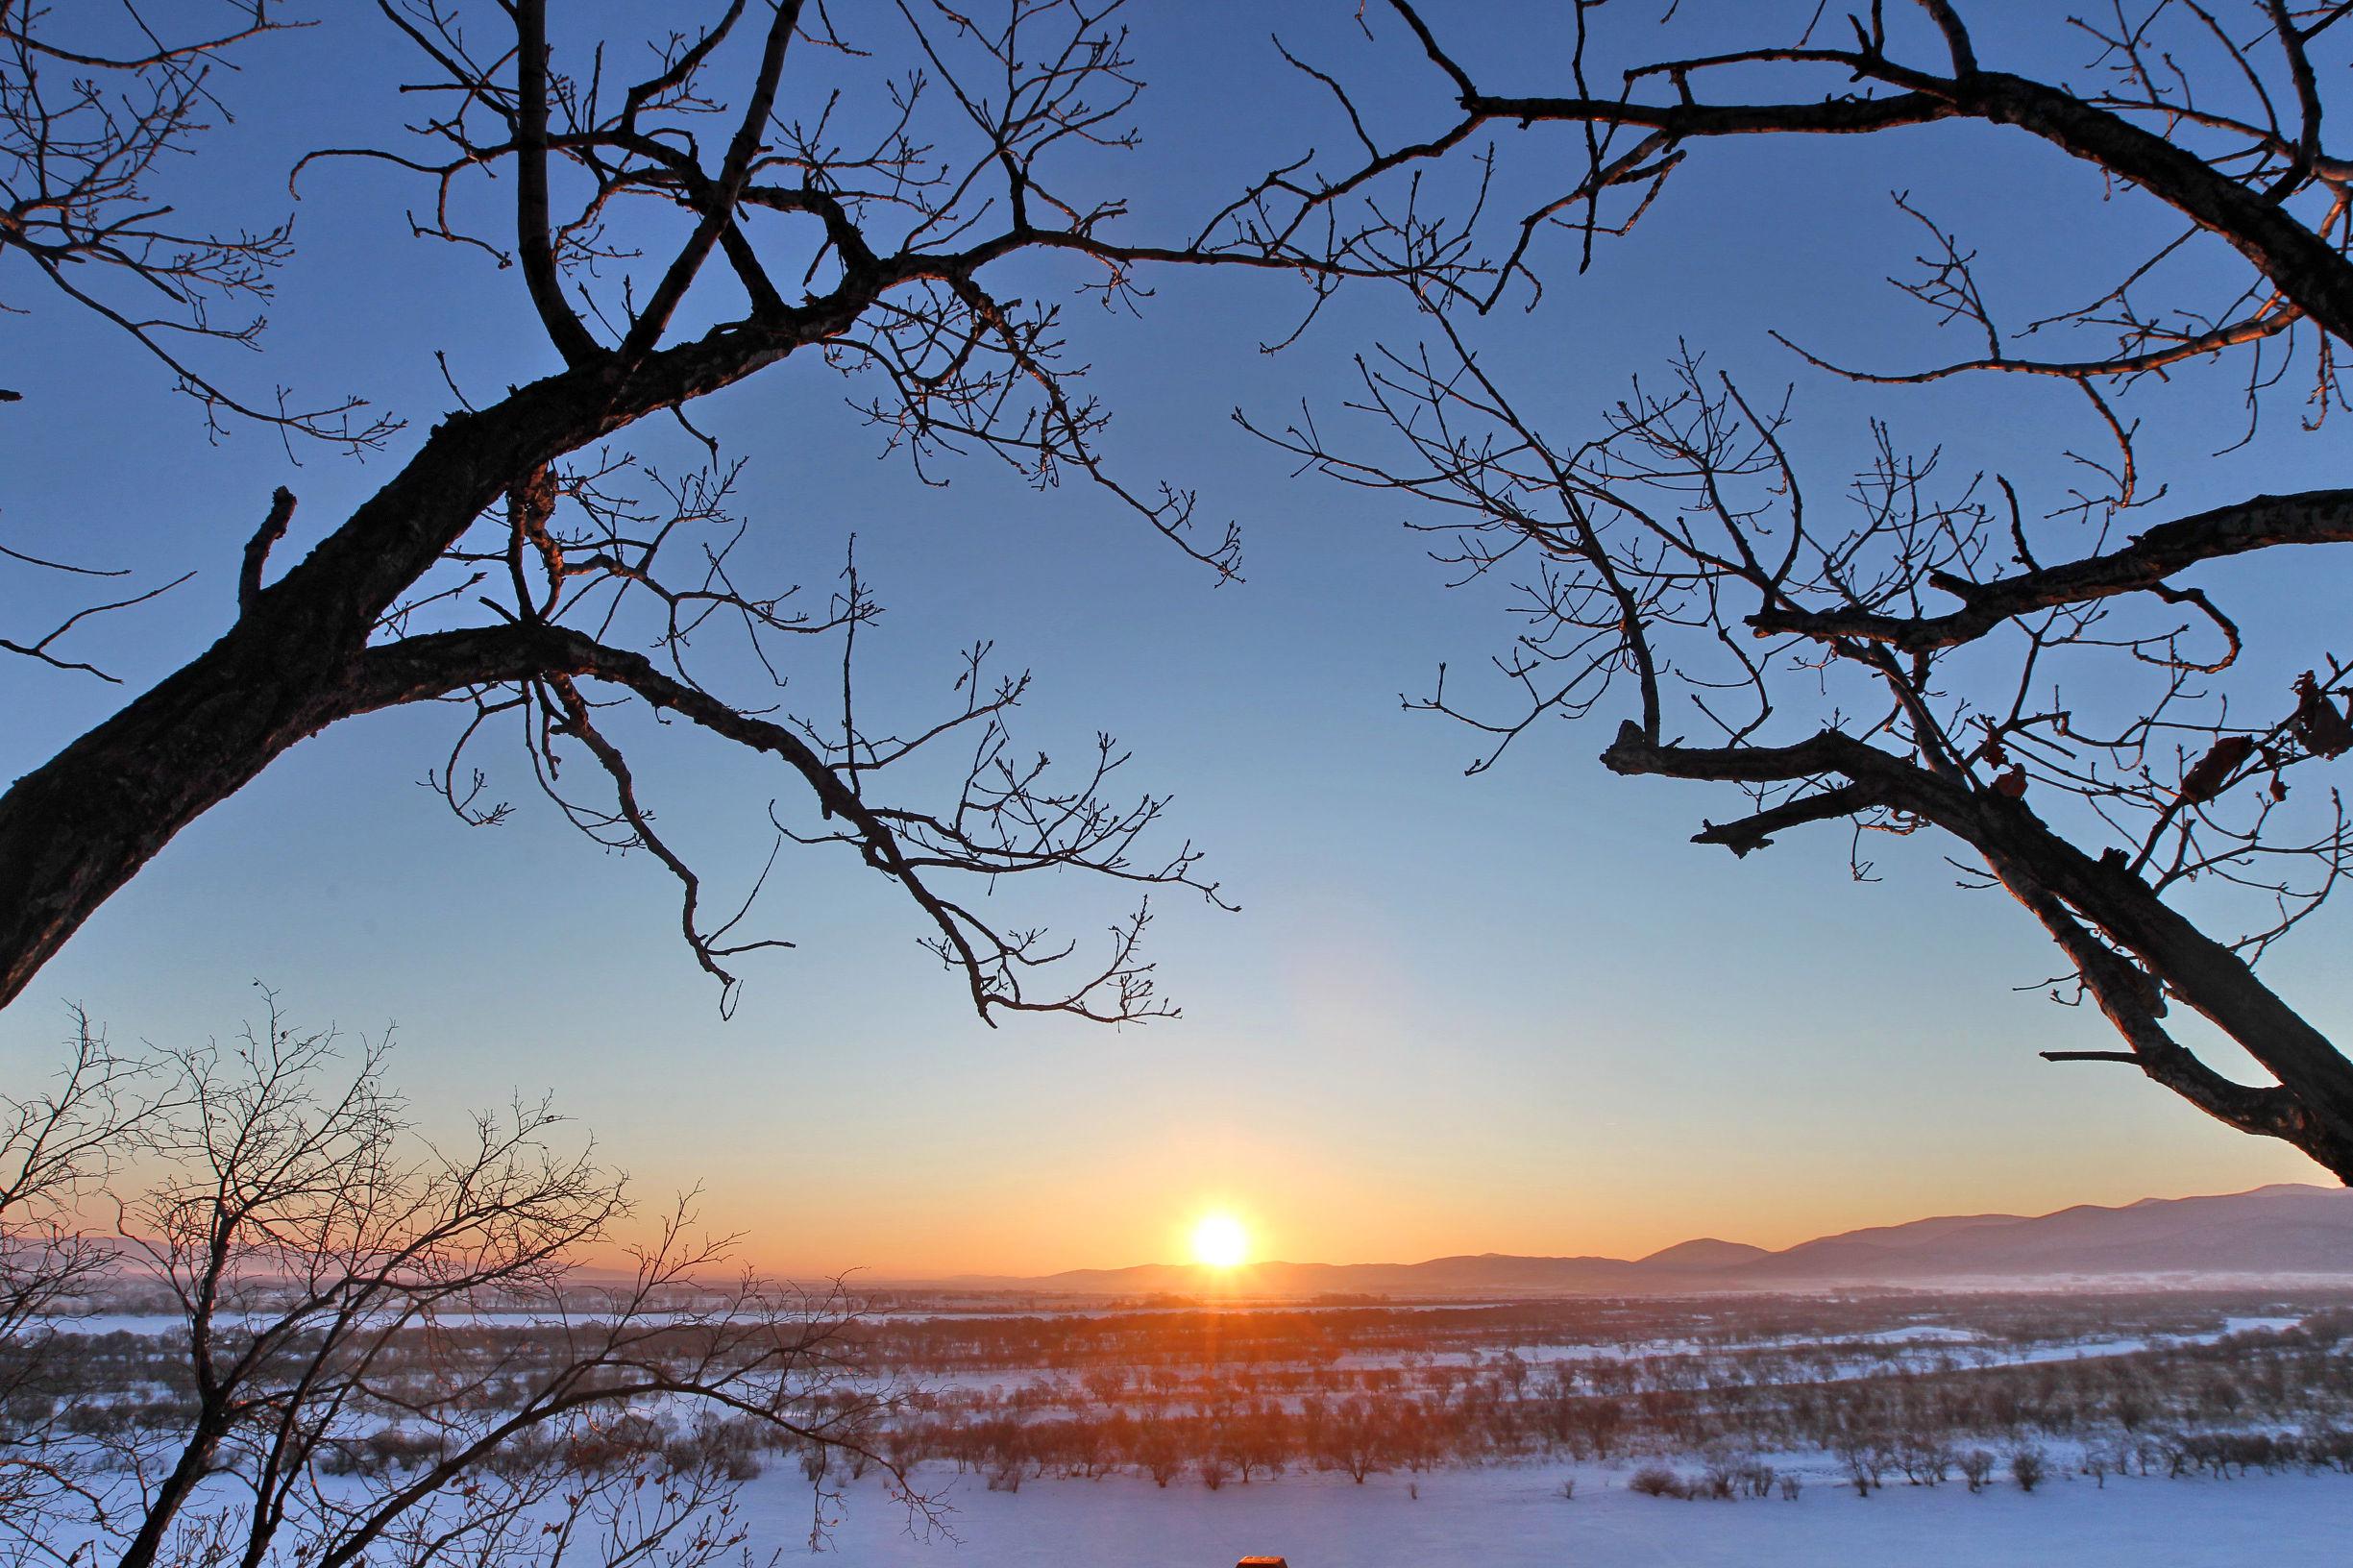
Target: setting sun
{"x":1220,"y":1241}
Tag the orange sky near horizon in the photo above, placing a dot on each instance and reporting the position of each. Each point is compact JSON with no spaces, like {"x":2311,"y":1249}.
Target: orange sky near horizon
{"x":1382,"y":1128}
{"x":1304,"y":1206}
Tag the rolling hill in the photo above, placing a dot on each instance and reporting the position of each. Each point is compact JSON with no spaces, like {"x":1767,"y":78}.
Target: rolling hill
{"x":2272,"y":1232}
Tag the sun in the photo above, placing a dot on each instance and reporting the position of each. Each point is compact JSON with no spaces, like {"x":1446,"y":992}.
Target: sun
{"x":1220,"y":1241}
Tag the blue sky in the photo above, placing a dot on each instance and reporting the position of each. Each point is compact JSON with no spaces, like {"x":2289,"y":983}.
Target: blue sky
{"x":1516,"y":1013}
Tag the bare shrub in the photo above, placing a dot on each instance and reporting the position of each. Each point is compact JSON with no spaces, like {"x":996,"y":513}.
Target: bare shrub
{"x":324,"y":1260}
{"x":1656,"y":1480}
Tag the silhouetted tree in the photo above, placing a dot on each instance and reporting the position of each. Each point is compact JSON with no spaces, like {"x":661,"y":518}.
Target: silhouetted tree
{"x":855,"y":204}
{"x":325,"y":1265}
{"x":57,"y":1148}
{"x":2055,"y":682}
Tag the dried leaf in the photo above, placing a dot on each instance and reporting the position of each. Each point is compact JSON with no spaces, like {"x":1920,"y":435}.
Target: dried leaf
{"x":2210,"y":772}
{"x":2324,"y":731}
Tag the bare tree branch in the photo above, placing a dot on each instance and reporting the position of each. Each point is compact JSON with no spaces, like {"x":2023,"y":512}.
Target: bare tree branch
{"x":517,"y":553}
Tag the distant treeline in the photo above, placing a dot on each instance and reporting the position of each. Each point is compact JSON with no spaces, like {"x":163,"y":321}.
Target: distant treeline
{"x":1265,"y":1336}
{"x":2261,"y":1397}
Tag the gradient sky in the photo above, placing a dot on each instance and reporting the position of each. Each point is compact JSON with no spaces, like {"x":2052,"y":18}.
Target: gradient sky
{"x":1517,"y":1013}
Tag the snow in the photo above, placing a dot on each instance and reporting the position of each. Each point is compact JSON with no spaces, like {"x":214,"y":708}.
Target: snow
{"x":1920,"y":1347}
{"x":1921,"y":1334}
{"x":1513,"y":1516}
{"x":1516,"y":1518}
{"x":2266,"y":1325}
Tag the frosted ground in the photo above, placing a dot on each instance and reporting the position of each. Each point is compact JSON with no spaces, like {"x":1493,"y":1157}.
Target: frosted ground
{"x":1514,"y":1517}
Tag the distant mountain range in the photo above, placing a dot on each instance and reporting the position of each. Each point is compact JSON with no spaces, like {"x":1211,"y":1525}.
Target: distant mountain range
{"x":2272,"y":1232}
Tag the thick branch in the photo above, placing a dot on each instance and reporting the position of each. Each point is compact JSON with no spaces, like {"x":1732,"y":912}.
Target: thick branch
{"x":2307,"y":269}
{"x":719,"y":205}
{"x":417,"y":668}
{"x":258,"y":548}
{"x":2314,"y":517}
{"x":1753,"y":831}
{"x":1829,"y":116}
{"x":535,"y":248}
{"x":80,"y":826}
{"x":2039,"y":866}
{"x":2304,"y":265}
{"x":2127,"y":997}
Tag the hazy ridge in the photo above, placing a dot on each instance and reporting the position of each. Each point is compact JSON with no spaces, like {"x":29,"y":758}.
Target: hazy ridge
{"x":2277,"y":1231}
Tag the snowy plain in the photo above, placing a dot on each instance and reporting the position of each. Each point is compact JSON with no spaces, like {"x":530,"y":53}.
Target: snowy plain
{"x":1515,"y":1518}
{"x":1510,"y":1514}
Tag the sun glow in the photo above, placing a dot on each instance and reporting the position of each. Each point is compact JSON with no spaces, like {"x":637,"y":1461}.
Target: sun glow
{"x":1220,"y":1241}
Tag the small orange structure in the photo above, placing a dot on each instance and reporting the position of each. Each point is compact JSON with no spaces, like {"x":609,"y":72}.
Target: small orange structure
{"x":1263,"y":1562}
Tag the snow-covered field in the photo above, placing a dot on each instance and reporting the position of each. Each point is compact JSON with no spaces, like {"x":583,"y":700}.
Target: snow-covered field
{"x":1514,"y":1517}
{"x":1466,"y":1424}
